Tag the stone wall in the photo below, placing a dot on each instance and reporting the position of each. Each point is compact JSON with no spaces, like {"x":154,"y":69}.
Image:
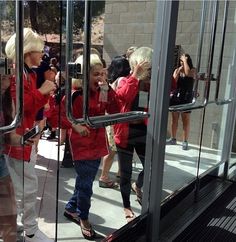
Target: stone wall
{"x":127,"y":23}
{"x":131,"y":23}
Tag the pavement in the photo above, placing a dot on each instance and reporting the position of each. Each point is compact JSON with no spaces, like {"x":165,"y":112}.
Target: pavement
{"x":56,"y":186}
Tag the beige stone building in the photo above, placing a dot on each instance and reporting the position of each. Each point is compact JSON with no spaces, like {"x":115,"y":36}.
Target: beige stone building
{"x":132,"y":23}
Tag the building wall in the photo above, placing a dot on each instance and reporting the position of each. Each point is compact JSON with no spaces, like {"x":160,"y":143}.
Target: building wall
{"x":132,"y":23}
{"x":127,"y":23}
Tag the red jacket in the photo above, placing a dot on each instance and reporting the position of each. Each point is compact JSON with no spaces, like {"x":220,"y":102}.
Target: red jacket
{"x":95,"y":145}
{"x":33,"y":101}
{"x":53,"y":112}
{"x":126,"y":91}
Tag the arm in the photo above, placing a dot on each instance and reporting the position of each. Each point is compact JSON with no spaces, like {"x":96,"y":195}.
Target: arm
{"x":128,"y":87}
{"x":187,"y":71}
{"x":66,"y":124}
{"x":177,"y":73}
{"x":34,"y":99}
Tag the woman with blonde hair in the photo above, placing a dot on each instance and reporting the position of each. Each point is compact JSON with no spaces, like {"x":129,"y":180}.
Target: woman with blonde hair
{"x":133,"y":92}
{"x":89,"y":145}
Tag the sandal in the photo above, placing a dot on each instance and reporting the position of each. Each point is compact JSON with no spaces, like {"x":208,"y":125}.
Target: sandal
{"x":138,"y":192}
{"x":85,"y":232}
{"x":72,"y":217}
{"x":108,"y":184}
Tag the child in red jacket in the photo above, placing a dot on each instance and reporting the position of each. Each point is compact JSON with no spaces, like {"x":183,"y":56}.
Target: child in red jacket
{"x":89,"y":145}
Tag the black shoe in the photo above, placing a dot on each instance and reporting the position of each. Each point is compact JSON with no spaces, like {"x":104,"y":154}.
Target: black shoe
{"x":67,"y":164}
{"x":52,"y":135}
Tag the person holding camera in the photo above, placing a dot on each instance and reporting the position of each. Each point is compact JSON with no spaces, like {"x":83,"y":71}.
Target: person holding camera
{"x":183,"y":76}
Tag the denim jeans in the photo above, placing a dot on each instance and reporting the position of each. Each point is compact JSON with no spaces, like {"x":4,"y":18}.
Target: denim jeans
{"x":80,"y":201}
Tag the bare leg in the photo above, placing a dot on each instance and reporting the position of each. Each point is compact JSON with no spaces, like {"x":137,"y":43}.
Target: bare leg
{"x":63,"y":136}
{"x":106,"y":165}
{"x":174,"y":126}
{"x":186,"y":125}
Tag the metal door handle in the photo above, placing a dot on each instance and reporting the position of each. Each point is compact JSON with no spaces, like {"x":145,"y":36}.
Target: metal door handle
{"x":218,"y":75}
{"x":69,"y":40}
{"x":208,"y":77}
{"x":95,"y":121}
{"x":106,"y":119}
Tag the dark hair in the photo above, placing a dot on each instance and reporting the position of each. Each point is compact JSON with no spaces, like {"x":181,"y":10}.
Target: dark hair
{"x":119,"y":67}
{"x":189,"y":61}
{"x":103,"y":63}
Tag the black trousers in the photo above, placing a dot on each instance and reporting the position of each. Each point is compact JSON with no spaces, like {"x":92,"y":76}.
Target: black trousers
{"x":67,"y":161}
{"x":137,"y":141}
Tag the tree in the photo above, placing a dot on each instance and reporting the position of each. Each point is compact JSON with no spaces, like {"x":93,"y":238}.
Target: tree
{"x":38,"y":12}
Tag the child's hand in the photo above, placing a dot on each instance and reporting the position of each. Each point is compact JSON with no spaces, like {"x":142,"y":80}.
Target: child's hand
{"x":81,"y":129}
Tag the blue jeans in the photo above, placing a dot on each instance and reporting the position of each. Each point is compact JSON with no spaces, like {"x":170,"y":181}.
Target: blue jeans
{"x":80,"y":201}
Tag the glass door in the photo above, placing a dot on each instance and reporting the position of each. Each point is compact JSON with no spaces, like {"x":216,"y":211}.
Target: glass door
{"x":11,"y":112}
{"x":204,"y":31}
{"x":80,"y":57}
{"x":206,"y":130}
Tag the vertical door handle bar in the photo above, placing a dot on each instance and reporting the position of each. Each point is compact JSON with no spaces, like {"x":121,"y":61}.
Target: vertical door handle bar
{"x":19,"y":69}
{"x":104,"y":120}
{"x":193,"y":105}
{"x":211,"y":51}
{"x":86,"y":60}
{"x":219,"y":68}
{"x":187,"y":107}
{"x":69,"y":42}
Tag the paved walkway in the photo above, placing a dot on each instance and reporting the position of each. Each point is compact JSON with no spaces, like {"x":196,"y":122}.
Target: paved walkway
{"x":106,"y":213}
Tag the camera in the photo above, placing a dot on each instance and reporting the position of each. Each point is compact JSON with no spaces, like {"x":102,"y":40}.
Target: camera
{"x":74,"y":70}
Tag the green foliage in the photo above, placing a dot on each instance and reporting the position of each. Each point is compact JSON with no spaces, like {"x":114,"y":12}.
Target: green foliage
{"x":45,"y":16}
{"x":7,"y":10}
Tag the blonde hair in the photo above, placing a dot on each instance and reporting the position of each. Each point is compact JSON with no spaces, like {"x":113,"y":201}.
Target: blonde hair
{"x":139,"y":55}
{"x":130,"y":51}
{"x":32,"y":42}
{"x":76,"y":83}
{"x":94,"y":60}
